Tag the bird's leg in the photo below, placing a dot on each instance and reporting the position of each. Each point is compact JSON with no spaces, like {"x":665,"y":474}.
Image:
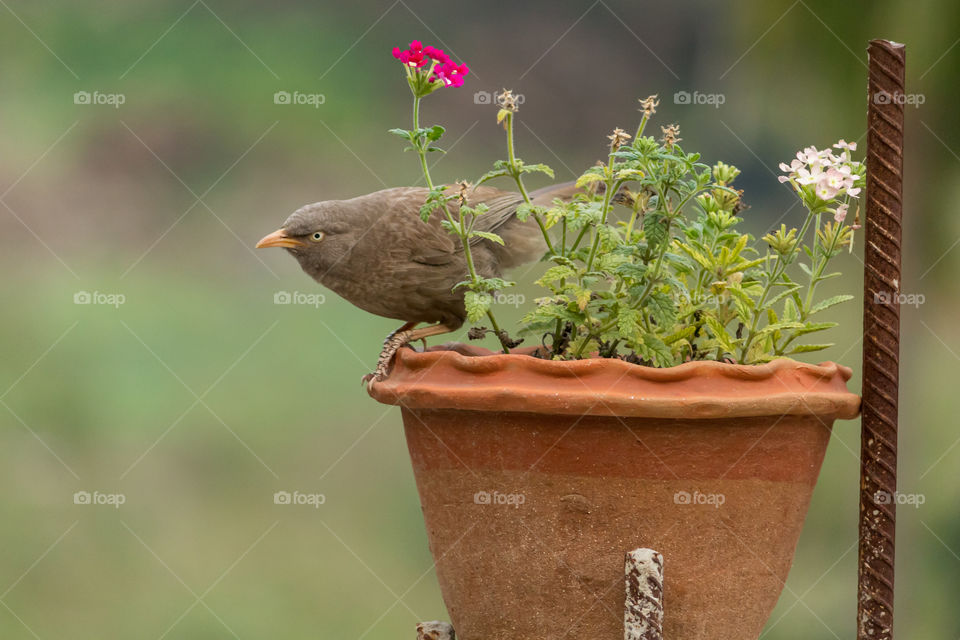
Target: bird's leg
{"x":405,"y":327}
{"x":399,"y":338}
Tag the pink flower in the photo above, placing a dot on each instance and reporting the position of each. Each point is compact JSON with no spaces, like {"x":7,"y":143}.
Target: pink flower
{"x":824,"y":191}
{"x":436,"y":54}
{"x":811,"y":175}
{"x":841,"y":213}
{"x":443,"y":67}
{"x":828,"y":175}
{"x":836,"y":178}
{"x":451,"y":74}
{"x":412,"y":57}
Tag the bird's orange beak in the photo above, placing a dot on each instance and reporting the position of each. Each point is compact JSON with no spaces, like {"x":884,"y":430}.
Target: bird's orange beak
{"x":278,"y":238}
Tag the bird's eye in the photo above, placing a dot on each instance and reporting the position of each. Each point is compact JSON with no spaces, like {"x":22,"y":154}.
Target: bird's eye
{"x":317,"y":236}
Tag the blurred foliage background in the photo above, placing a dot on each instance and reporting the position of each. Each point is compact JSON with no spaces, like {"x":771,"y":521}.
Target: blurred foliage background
{"x":198,"y":397}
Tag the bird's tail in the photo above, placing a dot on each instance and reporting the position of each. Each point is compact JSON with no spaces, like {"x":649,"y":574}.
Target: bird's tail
{"x":545,"y":195}
{"x":523,"y":241}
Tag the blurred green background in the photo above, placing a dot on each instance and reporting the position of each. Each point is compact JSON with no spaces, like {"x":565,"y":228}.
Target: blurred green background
{"x":198,"y":397}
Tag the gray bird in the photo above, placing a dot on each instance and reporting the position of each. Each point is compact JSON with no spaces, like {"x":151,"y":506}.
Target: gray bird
{"x":377,"y":253}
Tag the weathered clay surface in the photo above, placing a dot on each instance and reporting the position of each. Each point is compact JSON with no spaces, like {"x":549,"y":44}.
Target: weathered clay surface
{"x":529,"y":515}
{"x":446,"y":379}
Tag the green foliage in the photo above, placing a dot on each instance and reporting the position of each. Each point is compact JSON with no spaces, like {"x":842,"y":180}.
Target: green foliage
{"x":647,"y":262}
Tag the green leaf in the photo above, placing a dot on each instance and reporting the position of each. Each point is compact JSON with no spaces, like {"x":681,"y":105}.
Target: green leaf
{"x":628,"y":174}
{"x":628,"y":323}
{"x":536,"y":168}
{"x":588,"y":178}
{"x":477,"y":305}
{"x":807,"y":348}
{"x":525,"y":210}
{"x":663,"y":309}
{"x":402,"y":133}
{"x":556,"y":273}
{"x":631,"y":270}
{"x":429,"y":207}
{"x":655,"y":227}
{"x":829,"y":302}
{"x":811,"y":327}
{"x":778,"y":326}
{"x":489,"y":175}
{"x":486,"y":235}
{"x":493,"y":284}
{"x":683,"y":334}
{"x":434,"y":132}
{"x":724,"y":339}
{"x":790,"y":313}
{"x":777,"y":298}
{"x":657,"y":351}
{"x":583,"y":297}
{"x":700,"y":258}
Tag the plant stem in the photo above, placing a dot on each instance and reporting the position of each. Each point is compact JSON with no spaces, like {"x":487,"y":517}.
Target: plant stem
{"x":463,"y":233}
{"x":419,"y":146}
{"x":814,"y":281}
{"x":518,"y":178}
{"x":778,"y":269}
{"x":612,"y":186}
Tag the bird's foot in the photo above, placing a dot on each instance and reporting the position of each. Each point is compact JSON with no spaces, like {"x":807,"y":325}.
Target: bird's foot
{"x":391,"y":345}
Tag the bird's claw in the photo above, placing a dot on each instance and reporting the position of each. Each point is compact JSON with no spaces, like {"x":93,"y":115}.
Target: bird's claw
{"x":391,"y":345}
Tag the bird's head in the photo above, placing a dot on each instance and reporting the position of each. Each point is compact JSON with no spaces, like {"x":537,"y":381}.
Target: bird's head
{"x":313,"y":234}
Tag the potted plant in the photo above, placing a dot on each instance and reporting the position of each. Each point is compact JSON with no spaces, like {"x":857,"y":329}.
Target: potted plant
{"x":662,"y":408}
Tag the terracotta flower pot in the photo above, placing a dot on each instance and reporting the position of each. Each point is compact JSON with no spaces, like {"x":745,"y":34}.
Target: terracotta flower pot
{"x":536,"y":477}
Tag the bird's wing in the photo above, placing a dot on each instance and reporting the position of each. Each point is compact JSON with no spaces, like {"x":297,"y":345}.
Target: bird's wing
{"x":428,"y":243}
{"x":502,"y":206}
{"x":436,"y":247}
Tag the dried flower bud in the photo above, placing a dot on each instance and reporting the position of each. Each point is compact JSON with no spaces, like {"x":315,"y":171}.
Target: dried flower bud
{"x":649,"y":105}
{"x":462,"y":187}
{"x":618,"y":138}
{"x":671,"y":135}
{"x":506,"y":100}
{"x":625,"y":197}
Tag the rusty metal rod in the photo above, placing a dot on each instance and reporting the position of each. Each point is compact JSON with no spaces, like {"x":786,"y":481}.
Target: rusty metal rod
{"x":643,"y":608}
{"x":435,"y":630}
{"x":881,"y":340}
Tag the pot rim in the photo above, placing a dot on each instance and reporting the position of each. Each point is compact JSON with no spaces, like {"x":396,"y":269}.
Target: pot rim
{"x":443,"y":378}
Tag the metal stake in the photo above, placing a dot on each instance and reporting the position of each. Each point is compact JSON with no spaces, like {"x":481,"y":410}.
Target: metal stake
{"x":881,"y":340}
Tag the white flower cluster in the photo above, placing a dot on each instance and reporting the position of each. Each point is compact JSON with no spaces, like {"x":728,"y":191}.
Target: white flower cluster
{"x":830,"y":176}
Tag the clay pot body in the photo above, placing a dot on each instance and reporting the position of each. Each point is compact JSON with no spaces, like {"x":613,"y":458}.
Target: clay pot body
{"x":536,"y":477}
